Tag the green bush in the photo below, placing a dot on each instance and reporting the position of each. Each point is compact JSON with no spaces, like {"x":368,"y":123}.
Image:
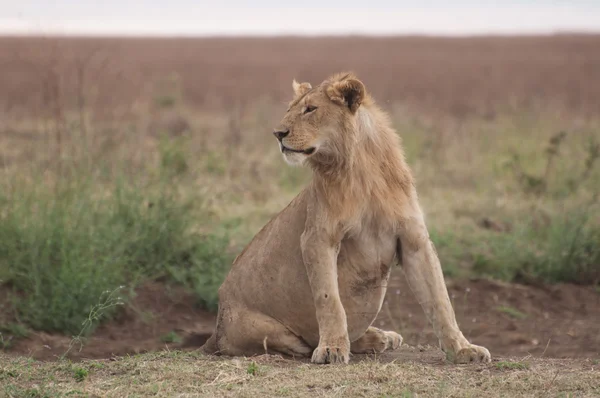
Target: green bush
{"x":568,"y":250}
{"x":556,"y":238}
{"x":62,"y":245}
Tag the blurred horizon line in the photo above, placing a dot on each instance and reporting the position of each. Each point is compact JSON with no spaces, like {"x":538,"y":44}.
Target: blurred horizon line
{"x":299,"y":35}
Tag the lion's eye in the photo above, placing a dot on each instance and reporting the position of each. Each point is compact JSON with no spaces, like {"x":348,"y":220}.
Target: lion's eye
{"x":309,"y":109}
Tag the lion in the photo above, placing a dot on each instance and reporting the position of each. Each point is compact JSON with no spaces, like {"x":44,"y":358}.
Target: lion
{"x":312,"y":281}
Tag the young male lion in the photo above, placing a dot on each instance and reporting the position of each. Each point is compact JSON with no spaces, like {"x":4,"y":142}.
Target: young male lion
{"x":312,"y":281}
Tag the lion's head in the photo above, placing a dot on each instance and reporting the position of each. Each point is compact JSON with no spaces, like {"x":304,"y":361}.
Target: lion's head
{"x":317,"y":117}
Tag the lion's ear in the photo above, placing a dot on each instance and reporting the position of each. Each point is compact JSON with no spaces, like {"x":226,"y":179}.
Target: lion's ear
{"x":348,"y":91}
{"x":300,"y":88}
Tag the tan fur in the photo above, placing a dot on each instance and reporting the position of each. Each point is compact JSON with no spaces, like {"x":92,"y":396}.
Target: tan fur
{"x":312,"y":281}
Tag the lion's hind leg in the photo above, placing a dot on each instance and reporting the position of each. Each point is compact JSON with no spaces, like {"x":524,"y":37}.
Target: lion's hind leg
{"x":254,"y":333}
{"x":376,"y":341}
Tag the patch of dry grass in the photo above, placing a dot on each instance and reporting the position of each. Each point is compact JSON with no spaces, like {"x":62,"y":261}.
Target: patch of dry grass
{"x":167,"y":374}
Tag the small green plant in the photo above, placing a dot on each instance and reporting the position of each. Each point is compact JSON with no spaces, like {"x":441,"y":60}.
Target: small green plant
{"x":252,"y":368}
{"x":108,"y":300}
{"x":80,"y":374}
{"x":513,"y":312}
{"x":165,"y":101}
{"x":533,"y":184}
{"x":510,"y":365}
{"x":10,"y":333}
{"x":171,"y":337}
{"x":97,"y":365}
{"x":172,"y":156}
{"x":592,"y":156}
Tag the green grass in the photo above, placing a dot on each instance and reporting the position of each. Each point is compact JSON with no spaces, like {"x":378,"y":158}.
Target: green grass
{"x":510,"y":365}
{"x":11,"y":332}
{"x":552,"y":235}
{"x":566,"y":250}
{"x":252,"y":368}
{"x":513,"y":312}
{"x":171,"y":337}
{"x":63,"y":245}
{"x":80,"y":374}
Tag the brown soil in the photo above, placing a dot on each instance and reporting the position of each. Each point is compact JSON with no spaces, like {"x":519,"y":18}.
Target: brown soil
{"x":561,"y":321}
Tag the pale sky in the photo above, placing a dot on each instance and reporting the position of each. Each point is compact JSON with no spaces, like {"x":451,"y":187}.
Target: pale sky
{"x":269,"y":17}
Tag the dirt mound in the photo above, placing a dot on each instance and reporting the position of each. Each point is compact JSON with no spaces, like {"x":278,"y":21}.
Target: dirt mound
{"x":561,"y":321}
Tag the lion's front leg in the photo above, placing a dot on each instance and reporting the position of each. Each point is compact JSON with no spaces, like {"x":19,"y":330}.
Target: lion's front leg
{"x":320,"y":259}
{"x":424,"y":275}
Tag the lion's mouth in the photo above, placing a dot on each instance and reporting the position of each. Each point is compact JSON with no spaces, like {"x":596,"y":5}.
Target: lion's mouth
{"x":308,"y":151}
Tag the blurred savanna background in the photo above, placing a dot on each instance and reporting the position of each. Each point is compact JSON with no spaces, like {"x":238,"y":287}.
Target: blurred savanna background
{"x":136,"y":164}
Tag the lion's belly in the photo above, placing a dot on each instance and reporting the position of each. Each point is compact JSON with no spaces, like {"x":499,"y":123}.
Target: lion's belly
{"x":364,"y":266}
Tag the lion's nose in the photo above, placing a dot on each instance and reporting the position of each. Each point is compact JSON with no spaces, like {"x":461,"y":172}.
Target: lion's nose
{"x":281,"y":134}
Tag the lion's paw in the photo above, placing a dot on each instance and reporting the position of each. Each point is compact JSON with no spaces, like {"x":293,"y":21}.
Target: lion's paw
{"x":473,"y":353}
{"x":394,"y":340}
{"x":331,"y":354}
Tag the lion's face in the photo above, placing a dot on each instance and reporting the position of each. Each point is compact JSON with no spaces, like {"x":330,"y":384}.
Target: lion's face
{"x":316,"y":115}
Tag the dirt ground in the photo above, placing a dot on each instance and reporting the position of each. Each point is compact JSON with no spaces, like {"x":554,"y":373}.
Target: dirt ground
{"x":561,"y":321}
